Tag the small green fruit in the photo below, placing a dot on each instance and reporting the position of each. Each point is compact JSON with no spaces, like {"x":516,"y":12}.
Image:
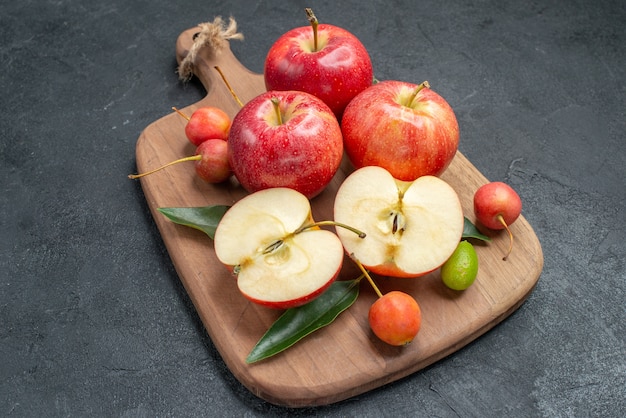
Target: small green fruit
{"x":459,"y":272}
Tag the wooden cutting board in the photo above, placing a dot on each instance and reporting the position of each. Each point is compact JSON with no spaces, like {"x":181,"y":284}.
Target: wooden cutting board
{"x":345,"y":358}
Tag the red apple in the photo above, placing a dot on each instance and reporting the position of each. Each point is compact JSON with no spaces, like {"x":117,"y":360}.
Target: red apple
{"x":207,"y":123}
{"x":285,"y":139}
{"x":405,"y":128}
{"x":326,"y":61}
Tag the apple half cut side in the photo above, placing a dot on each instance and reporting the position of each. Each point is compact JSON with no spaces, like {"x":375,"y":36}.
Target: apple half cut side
{"x":279,"y":261}
{"x":411,"y":228}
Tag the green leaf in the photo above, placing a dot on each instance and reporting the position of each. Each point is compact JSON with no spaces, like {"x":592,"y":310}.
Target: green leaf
{"x":470,"y":231}
{"x":296,"y":323}
{"x":204,"y":218}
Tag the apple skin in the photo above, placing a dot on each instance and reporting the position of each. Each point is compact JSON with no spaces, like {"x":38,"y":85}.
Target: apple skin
{"x":302,"y":153}
{"x":339,"y":70}
{"x":293,"y":303}
{"x":409,"y":141}
{"x":214,"y":166}
{"x":494,"y":199}
{"x":207,"y":123}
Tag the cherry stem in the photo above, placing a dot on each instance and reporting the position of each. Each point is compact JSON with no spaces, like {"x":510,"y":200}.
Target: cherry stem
{"x":279,"y":116}
{"x":361,"y":234}
{"x":175,"y":109}
{"x":314,"y":22}
{"x":366,"y":274}
{"x":196,"y":157}
{"x":416,"y":91}
{"x":230,"y":89}
{"x":501,"y":220}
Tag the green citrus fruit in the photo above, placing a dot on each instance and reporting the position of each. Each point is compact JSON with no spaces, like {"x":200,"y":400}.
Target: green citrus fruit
{"x":459,"y":272}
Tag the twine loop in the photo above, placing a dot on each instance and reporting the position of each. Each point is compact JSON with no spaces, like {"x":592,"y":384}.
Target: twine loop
{"x":212,"y":35}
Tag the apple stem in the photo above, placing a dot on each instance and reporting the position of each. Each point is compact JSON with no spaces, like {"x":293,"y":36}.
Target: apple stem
{"x":416,"y":91}
{"x":175,"y":109}
{"x":314,"y":22}
{"x":361,"y":234}
{"x":273,"y":246}
{"x":279,"y":116}
{"x":230,"y":89}
{"x":366,"y":274}
{"x":277,"y":244}
{"x":196,"y":157}
{"x":500,"y":219}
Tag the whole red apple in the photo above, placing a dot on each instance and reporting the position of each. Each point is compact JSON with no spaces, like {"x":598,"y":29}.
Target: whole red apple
{"x":285,"y":139}
{"x":405,"y":128}
{"x":207,"y":123}
{"x":326,"y":61}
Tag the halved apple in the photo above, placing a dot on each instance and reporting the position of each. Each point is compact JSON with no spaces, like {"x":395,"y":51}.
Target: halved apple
{"x":412,"y":228}
{"x":281,"y":259}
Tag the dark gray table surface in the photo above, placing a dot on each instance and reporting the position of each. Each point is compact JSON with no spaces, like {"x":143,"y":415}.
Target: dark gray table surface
{"x":94,"y":320}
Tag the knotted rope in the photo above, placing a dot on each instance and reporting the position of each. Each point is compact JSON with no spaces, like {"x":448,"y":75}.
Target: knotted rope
{"x":212,"y":35}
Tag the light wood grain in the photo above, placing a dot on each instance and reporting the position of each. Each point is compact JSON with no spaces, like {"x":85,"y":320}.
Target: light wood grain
{"x":343,"y":359}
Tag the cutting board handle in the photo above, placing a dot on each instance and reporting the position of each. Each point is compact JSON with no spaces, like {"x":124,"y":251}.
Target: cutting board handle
{"x":243,"y":81}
